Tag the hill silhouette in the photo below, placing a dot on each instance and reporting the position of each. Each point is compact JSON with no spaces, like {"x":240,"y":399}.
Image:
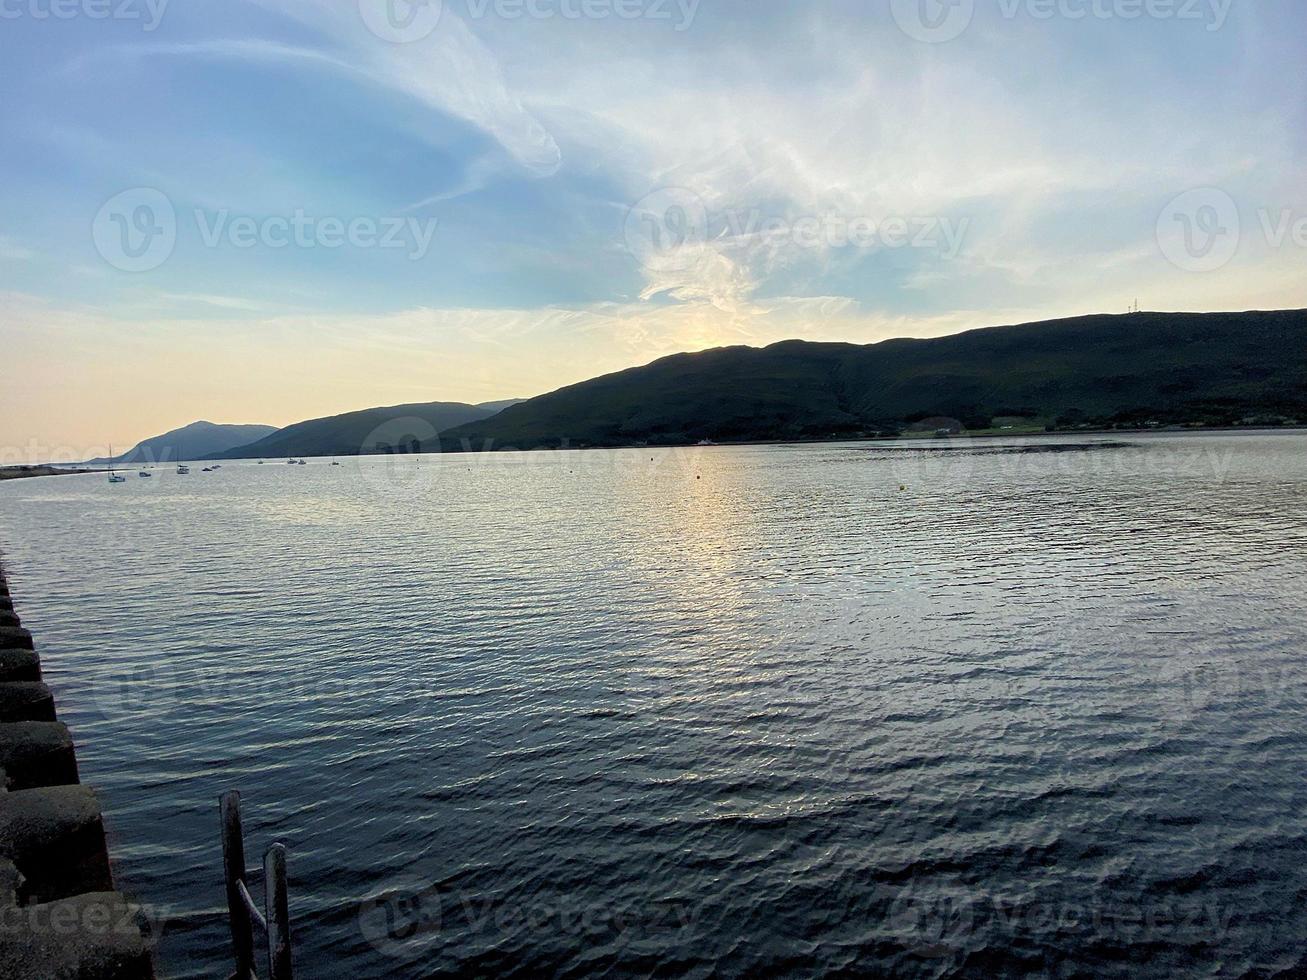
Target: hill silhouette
{"x":396,"y":428}
{"x":198,"y":440}
{"x":1131,"y":370}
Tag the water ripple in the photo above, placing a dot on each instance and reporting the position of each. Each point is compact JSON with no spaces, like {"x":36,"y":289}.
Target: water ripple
{"x":729,"y":713}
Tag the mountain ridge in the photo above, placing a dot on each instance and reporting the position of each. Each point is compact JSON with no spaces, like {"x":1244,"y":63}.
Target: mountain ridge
{"x":390,"y":428}
{"x":1095,"y":370}
{"x":194,"y":441}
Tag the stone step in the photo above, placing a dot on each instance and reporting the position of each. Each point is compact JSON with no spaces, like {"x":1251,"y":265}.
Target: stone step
{"x":15,"y":638}
{"x":11,"y":883}
{"x":55,"y":837}
{"x":59,"y":916}
{"x":19,"y":665}
{"x":37,"y":753}
{"x":26,"y":701}
{"x":96,"y":936}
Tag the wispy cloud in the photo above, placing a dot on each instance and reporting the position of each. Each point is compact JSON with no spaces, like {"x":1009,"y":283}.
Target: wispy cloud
{"x":1049,"y":146}
{"x":451,"y":70}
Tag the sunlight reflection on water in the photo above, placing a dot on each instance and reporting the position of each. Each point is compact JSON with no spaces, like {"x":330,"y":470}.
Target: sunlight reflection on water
{"x":756,"y":709}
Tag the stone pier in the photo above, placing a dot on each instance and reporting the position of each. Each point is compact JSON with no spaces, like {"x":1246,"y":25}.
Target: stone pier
{"x":60,"y":918}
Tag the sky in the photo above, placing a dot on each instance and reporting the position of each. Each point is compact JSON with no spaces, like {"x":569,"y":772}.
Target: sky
{"x":272,"y":210}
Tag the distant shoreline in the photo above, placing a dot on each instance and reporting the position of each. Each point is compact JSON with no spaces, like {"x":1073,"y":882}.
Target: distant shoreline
{"x":23,"y":472}
{"x":1169,"y":430}
{"x":889,"y":440}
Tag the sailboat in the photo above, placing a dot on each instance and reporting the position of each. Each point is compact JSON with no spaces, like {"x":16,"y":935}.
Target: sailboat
{"x":114,"y":477}
{"x":182,"y":468}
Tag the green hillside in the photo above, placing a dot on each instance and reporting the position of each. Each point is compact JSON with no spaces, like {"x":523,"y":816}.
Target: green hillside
{"x":1168,"y":368}
{"x":199,"y":440}
{"x":375,"y":430}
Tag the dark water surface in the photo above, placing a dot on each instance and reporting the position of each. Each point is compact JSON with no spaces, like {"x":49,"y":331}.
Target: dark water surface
{"x":730,"y":712}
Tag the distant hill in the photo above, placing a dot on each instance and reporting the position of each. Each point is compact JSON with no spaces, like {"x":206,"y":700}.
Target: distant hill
{"x":198,"y":440}
{"x":1162,"y":368}
{"x":398,"y":428}
{"x":498,"y":407}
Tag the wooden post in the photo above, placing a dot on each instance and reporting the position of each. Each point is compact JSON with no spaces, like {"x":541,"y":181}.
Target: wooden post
{"x":233,"y":866}
{"x":278,"y":912}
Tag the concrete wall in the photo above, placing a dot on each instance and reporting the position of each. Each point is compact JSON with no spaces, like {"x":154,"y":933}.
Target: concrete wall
{"x":60,"y":918}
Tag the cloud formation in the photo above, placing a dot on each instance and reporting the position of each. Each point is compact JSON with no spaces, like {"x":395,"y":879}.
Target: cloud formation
{"x":607,"y":190}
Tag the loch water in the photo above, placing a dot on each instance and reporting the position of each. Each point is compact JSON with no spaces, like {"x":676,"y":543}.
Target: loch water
{"x":1024,"y":707}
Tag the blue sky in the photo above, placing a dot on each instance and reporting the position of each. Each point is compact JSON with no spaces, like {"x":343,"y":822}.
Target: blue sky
{"x":570,"y":191}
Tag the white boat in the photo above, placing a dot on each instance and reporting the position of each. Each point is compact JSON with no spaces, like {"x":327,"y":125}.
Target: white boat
{"x":302,"y":463}
{"x":114,"y":477}
{"x":183,"y":469}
